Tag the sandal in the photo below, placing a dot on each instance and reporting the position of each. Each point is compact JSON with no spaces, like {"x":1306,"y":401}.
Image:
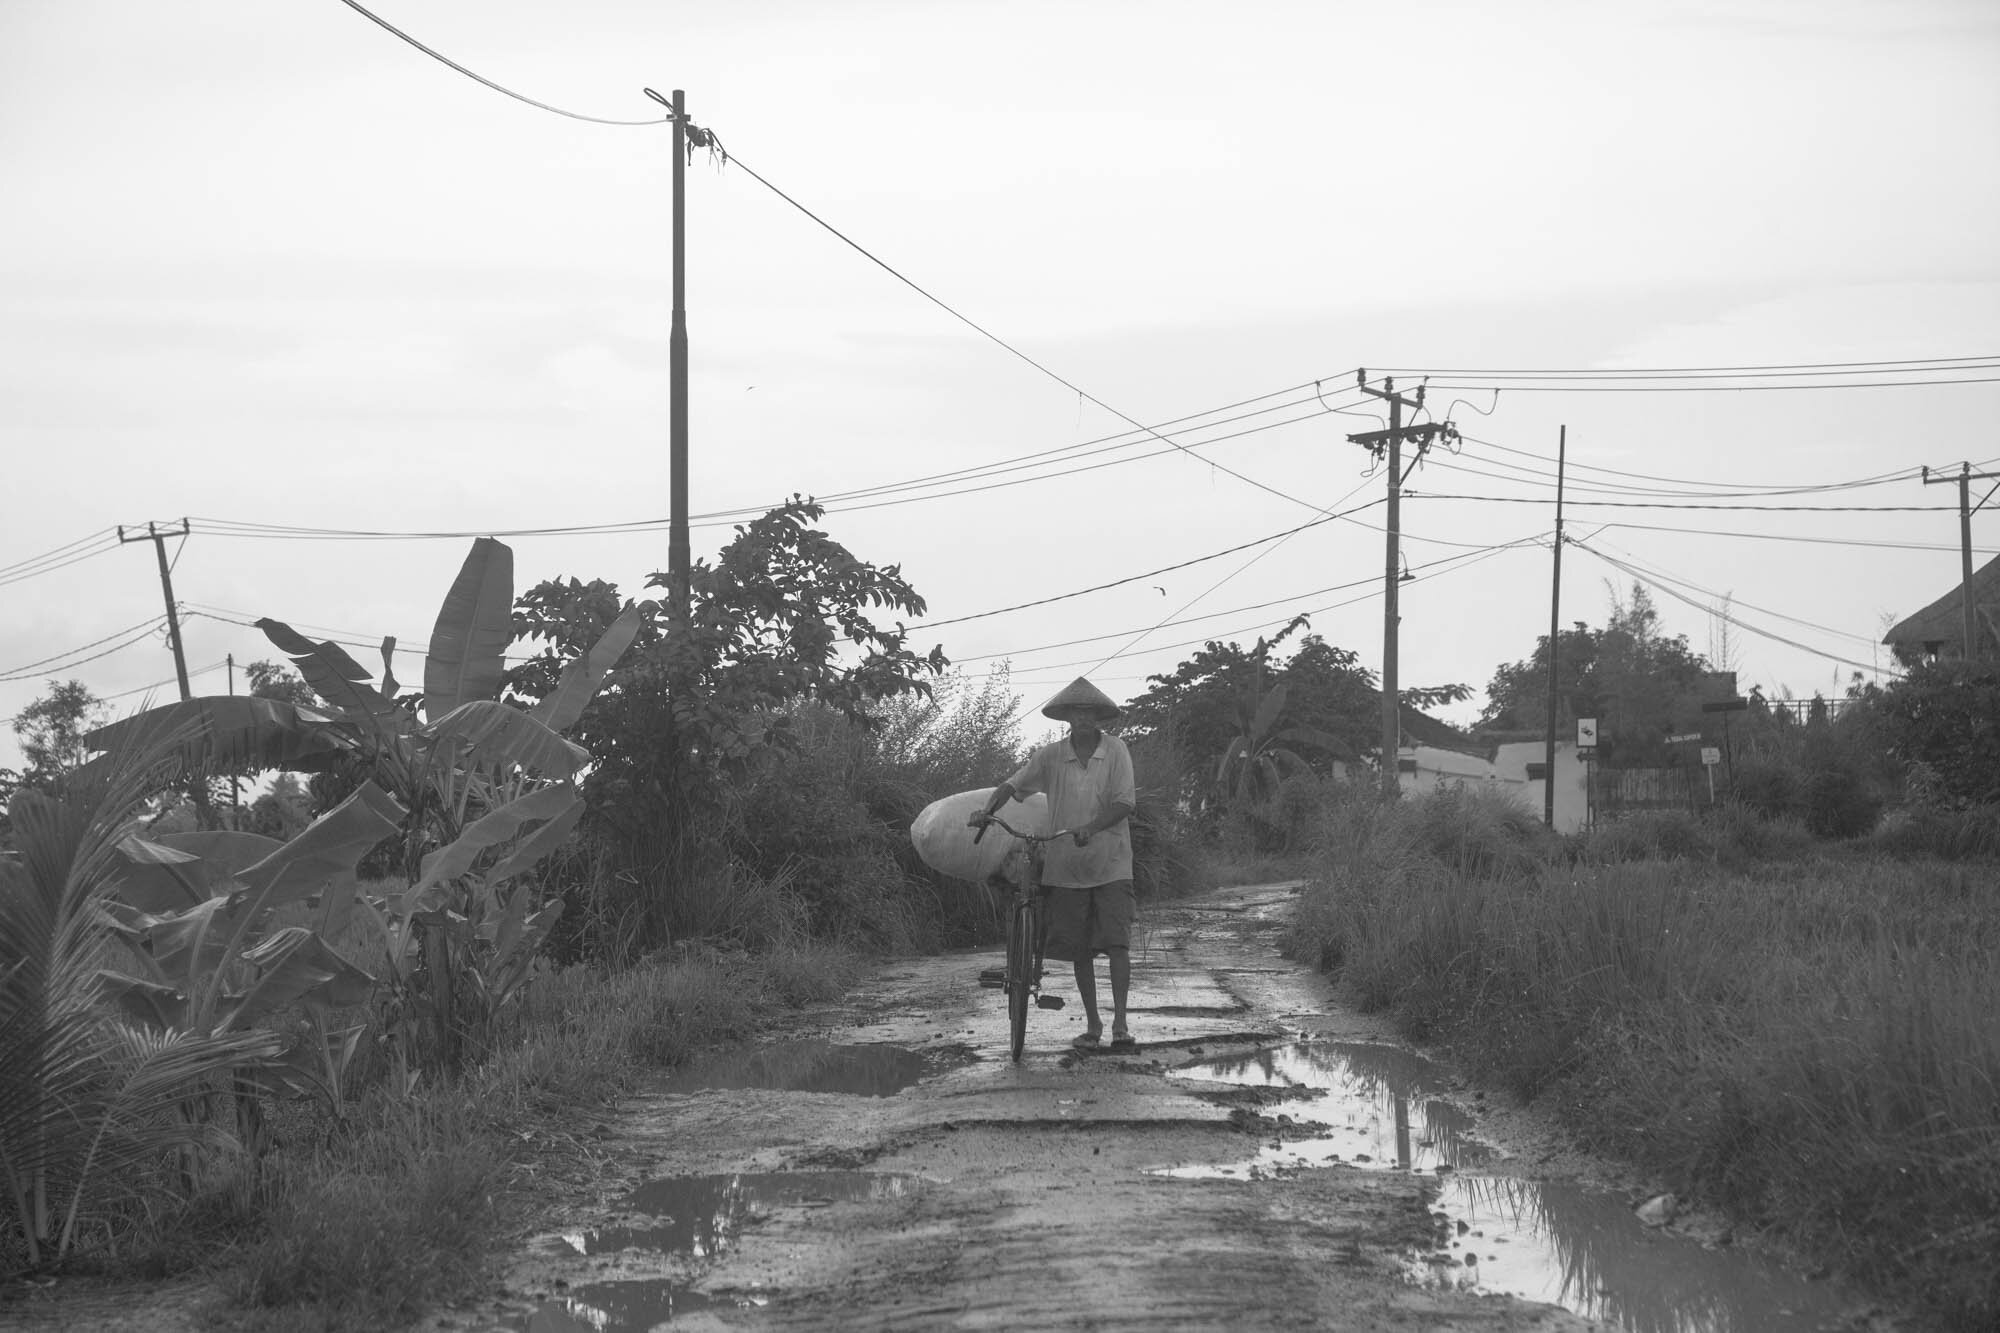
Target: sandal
{"x":1122,"y":1041}
{"x":1087,"y":1041}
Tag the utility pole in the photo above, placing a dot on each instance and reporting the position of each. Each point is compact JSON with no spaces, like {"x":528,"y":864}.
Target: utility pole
{"x":158,"y":536}
{"x":1555,"y":633}
{"x":235,"y":785}
{"x":677,"y":409}
{"x":679,"y":593}
{"x":1966,"y":509}
{"x":1378,"y":442}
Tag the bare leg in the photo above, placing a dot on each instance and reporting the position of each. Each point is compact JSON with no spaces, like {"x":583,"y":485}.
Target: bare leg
{"x":1086,"y":990}
{"x":1121,"y":985}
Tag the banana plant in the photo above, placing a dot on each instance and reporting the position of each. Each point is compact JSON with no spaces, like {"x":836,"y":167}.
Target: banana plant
{"x":486,"y":788}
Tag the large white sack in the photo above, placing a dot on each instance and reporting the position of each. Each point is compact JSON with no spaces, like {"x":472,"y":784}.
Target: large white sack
{"x":945,"y":843}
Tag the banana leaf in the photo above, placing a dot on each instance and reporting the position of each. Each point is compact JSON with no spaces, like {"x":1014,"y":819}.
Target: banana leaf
{"x":325,"y":853}
{"x":332,"y":672}
{"x":177,"y":870}
{"x":158,"y":879}
{"x":495,"y":829}
{"x":489,"y":734}
{"x":294,"y":966}
{"x":473,"y":629}
{"x":222,"y":733}
{"x":582,"y":677}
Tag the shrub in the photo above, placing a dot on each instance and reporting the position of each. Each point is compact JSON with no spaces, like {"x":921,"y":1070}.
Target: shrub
{"x":1771,"y":787}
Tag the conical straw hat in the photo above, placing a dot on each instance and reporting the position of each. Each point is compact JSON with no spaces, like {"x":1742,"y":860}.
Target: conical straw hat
{"x":1081,"y":696}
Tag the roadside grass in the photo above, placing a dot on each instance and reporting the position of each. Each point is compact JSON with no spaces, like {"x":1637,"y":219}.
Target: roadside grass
{"x":1801,"y":1033}
{"x":368,"y":1220}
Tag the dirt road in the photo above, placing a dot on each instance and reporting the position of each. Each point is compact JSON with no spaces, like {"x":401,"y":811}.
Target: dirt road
{"x":985,"y":1194}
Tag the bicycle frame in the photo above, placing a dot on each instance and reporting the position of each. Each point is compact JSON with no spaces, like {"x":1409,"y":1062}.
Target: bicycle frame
{"x":1027,"y":932}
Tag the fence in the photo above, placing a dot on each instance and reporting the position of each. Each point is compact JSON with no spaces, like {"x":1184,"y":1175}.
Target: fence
{"x":1623,"y":791}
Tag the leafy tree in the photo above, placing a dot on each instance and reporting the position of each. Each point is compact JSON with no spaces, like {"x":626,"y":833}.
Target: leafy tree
{"x":270,"y":680}
{"x":1943,"y":718}
{"x":1640,"y":683}
{"x":1330,"y":709}
{"x":783,"y":617}
{"x":51,"y":731}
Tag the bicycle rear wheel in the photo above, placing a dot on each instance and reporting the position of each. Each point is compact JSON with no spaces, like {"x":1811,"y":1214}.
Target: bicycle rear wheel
{"x":1020,"y":975}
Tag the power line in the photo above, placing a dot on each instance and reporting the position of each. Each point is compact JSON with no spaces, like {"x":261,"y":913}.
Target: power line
{"x":1663,"y":504}
{"x":1799,"y":367}
{"x":42,"y":668}
{"x":1134,"y":578}
{"x":383,"y":23}
{"x":29,"y":667}
{"x":1878,"y":479}
{"x":994,"y":338}
{"x":1460,"y":561}
{"x":1782,"y":537}
{"x":1657,"y":387}
{"x":61,"y":557}
{"x":1731,"y":599}
{"x":1721,"y":615}
{"x":1672,"y":487}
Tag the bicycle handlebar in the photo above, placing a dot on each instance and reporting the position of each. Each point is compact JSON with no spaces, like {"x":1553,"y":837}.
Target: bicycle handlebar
{"x":1024,"y":837}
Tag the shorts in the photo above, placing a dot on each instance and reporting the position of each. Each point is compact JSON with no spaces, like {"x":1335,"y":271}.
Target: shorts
{"x":1083,"y":923}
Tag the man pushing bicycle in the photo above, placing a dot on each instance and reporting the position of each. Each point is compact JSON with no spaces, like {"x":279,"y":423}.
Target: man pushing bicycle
{"x":1087,"y":777}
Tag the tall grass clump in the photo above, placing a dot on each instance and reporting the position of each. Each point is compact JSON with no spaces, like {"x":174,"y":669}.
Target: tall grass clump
{"x":370,"y":1221}
{"x":1809,"y":1042}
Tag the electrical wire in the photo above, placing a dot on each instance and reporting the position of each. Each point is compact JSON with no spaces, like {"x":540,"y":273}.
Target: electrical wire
{"x":1802,"y":367}
{"x":1657,"y":387}
{"x":1878,"y":479}
{"x":1000,"y":342}
{"x":61,"y":557}
{"x":1859,"y":542}
{"x":383,"y":23}
{"x":1134,"y":578}
{"x":1679,"y":596}
{"x":1464,"y":562}
{"x":1371,"y":581}
{"x":43,"y":667}
{"x":1661,"y":504}
{"x":1731,"y":599}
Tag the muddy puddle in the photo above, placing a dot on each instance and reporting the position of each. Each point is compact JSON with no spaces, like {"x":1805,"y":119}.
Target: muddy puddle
{"x":618,"y":1307}
{"x":804,"y":1066}
{"x":1383,"y":1108}
{"x":699,"y":1216}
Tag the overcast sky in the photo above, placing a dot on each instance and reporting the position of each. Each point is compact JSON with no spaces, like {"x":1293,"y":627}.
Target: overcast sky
{"x":265,"y":263}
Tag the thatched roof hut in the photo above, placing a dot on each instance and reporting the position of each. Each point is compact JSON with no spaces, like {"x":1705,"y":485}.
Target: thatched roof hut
{"x":1939,"y":629}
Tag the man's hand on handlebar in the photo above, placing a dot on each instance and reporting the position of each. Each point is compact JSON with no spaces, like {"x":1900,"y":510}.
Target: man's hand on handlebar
{"x":1082,"y":837}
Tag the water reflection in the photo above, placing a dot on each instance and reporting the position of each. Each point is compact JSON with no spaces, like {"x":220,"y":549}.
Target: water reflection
{"x":1544,"y":1241}
{"x":803,"y":1066}
{"x":1384,"y":1105}
{"x":1586,"y":1251}
{"x":613,"y":1307}
{"x":699,"y":1216}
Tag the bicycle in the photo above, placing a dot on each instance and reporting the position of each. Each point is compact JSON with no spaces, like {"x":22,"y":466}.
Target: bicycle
{"x":1027,"y":933}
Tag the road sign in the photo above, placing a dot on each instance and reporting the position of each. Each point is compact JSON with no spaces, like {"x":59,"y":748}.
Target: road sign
{"x":1711,"y":755}
{"x":1586,"y":732}
{"x":1684,"y":736}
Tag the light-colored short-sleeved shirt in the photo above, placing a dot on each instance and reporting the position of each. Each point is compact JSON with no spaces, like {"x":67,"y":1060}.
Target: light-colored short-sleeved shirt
{"x":1078,"y":792}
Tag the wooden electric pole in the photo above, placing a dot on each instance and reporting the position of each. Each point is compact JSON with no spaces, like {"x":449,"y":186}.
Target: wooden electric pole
{"x":1390,"y":442}
{"x":1555,"y":635}
{"x":158,"y":536}
{"x":1966,"y":509}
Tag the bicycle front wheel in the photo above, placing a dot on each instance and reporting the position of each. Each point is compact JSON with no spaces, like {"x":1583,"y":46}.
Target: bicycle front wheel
{"x":1020,"y":975}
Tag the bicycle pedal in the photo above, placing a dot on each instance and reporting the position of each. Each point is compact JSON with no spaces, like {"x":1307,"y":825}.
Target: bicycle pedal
{"x":993,"y":978}
{"x":1048,"y":1001}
